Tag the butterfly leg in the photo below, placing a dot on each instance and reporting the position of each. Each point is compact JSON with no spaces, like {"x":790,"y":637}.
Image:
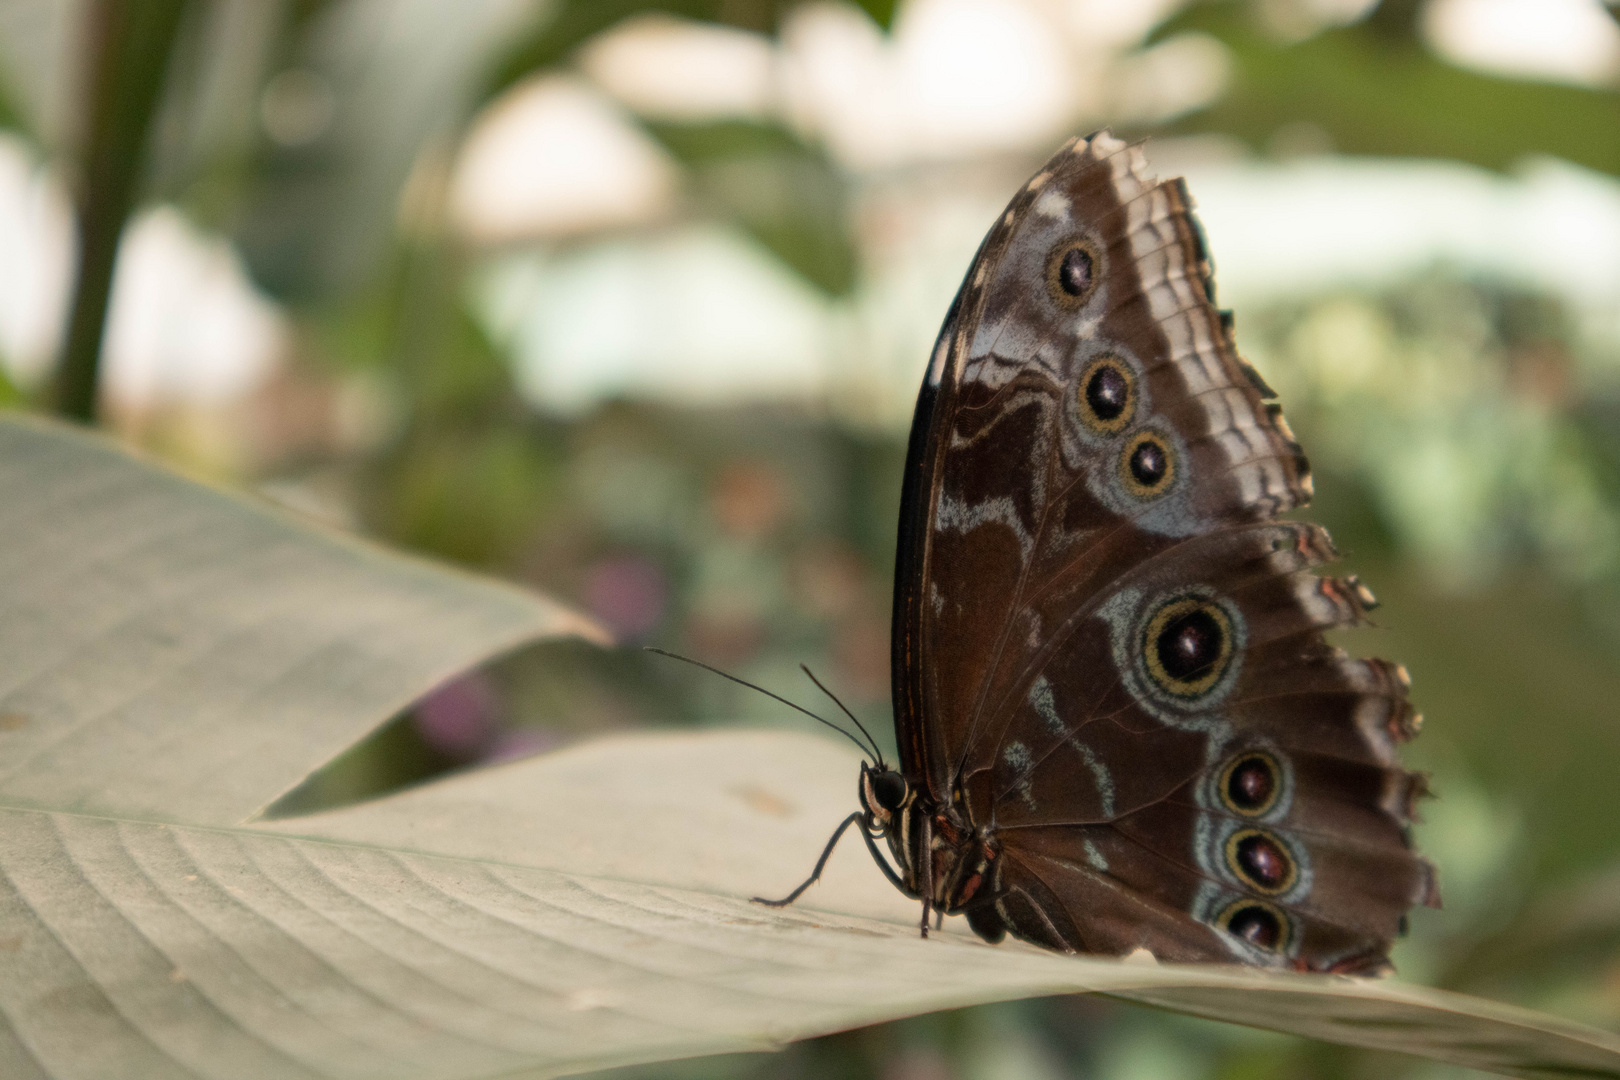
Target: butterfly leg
{"x":821,"y":864}
{"x":883,"y":863}
{"x":925,"y":868}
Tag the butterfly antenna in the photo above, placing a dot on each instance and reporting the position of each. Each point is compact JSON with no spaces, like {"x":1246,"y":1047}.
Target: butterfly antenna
{"x":852,"y":719}
{"x":761,"y":689}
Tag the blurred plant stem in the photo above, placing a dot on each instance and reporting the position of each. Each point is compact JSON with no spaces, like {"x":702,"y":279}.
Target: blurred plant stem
{"x":128,"y":44}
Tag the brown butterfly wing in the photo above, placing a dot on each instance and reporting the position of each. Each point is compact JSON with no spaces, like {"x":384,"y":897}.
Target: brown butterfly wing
{"x":1100,"y":627}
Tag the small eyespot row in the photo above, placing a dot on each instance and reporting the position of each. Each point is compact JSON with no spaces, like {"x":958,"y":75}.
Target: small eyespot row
{"x":1147,"y":465}
{"x":1250,"y":783}
{"x":1263,"y":925}
{"x":1261,"y":861}
{"x":1107,"y":395}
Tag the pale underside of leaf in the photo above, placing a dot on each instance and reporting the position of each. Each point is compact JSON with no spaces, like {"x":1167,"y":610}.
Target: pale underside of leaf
{"x":175,"y":653}
{"x":565,"y":913}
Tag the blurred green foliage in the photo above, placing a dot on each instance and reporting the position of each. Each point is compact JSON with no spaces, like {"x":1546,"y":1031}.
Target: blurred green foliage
{"x":1466,"y":438}
{"x":561,"y":28}
{"x":1374,"y":88}
{"x":783,"y":192}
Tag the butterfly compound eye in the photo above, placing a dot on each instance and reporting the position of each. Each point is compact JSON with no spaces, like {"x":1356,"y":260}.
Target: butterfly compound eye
{"x":1107,"y":395}
{"x":1072,"y":272}
{"x":889,"y":789}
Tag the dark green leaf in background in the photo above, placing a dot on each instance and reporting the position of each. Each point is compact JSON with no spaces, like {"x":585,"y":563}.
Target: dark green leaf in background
{"x":1374,"y":88}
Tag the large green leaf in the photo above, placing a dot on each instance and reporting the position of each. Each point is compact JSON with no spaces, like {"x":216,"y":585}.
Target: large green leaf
{"x":176,"y":657}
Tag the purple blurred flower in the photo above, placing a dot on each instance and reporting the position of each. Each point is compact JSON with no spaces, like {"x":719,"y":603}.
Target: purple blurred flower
{"x":628,"y":593}
{"x":459,"y":718}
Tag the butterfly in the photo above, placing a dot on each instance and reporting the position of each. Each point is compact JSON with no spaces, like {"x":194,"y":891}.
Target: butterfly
{"x":1119,"y":724}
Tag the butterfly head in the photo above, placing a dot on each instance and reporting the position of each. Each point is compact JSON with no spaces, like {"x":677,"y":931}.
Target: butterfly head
{"x":884,"y":793}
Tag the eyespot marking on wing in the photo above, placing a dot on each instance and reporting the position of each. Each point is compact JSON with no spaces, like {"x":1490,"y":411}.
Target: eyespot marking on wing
{"x":1144,"y":630}
{"x":1261,"y":861}
{"x":1106,"y":394}
{"x":1251,"y":783}
{"x":1147,"y":465}
{"x":1187,"y":646}
{"x":1257,"y":923}
{"x":1073,"y":270}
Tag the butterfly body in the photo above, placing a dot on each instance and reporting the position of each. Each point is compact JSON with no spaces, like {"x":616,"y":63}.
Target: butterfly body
{"x":946,"y":859}
{"x":1120,"y":726}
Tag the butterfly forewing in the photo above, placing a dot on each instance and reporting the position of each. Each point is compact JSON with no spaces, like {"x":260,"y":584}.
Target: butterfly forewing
{"x":1108,"y":655}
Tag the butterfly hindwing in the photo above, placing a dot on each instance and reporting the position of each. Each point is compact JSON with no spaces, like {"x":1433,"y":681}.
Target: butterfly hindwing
{"x":1099,"y":622}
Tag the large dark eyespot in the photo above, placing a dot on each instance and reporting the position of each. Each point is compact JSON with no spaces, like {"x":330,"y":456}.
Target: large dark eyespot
{"x":1147,"y":466}
{"x":1072,"y":271}
{"x":1188,"y":645}
{"x":1261,"y":860}
{"x":1260,"y":924}
{"x":1107,"y":395}
{"x":888,"y":788}
{"x":1250,"y":783}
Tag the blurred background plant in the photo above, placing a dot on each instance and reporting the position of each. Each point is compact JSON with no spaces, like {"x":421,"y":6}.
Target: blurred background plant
{"x":630,"y":300}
